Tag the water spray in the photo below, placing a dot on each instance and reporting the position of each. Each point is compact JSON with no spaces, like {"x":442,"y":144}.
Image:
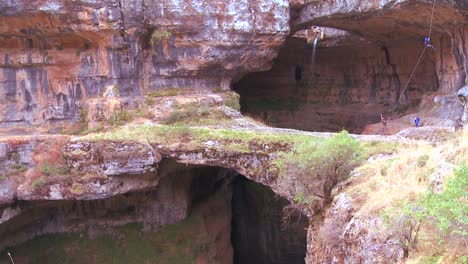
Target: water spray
{"x":12,"y":261}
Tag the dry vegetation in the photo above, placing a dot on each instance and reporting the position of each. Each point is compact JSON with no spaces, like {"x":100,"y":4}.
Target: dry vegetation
{"x":424,"y":203}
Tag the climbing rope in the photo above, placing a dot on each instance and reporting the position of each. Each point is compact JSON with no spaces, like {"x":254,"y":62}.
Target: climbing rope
{"x":408,"y":82}
{"x":417,"y":63}
{"x":432,"y":18}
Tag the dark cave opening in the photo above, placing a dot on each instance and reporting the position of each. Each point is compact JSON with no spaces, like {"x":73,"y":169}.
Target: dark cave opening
{"x":346,"y":86}
{"x":196,"y":213}
{"x":258,"y":232}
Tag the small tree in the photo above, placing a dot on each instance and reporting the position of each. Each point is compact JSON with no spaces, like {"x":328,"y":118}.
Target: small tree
{"x":334,"y":160}
{"x":314,"y":168}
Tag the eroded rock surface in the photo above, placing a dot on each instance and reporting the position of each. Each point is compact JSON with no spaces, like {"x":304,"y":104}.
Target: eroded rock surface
{"x":57,"y":54}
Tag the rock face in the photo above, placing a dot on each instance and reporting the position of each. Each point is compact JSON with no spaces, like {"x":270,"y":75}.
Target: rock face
{"x":56,"y":54}
{"x":359,"y":74}
{"x":345,"y":86}
{"x":402,"y":20}
{"x":463,"y":96}
{"x":181,"y":193}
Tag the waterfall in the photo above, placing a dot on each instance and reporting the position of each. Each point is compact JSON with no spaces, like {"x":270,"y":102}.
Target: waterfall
{"x":314,"y":51}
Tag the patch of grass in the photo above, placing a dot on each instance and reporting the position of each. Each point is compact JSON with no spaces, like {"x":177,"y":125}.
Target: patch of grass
{"x":81,"y":126}
{"x":422,"y":160}
{"x":120,"y":117}
{"x":16,"y":169}
{"x":231,"y":99}
{"x":378,"y":147}
{"x":41,"y":181}
{"x":77,"y":188}
{"x":48,"y":169}
{"x":330,"y":160}
{"x":159,"y":35}
{"x":193,"y":114}
{"x":217,"y":90}
{"x":431,"y":259}
{"x":450,"y":208}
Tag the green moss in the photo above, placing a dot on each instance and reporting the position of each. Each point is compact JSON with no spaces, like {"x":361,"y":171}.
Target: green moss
{"x":430,"y":260}
{"x":38,"y":182}
{"x":218,"y":90}
{"x":77,"y":188}
{"x":159,"y":35}
{"x":48,"y":169}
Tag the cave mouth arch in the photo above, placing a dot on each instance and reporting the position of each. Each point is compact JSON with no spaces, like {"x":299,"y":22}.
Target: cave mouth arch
{"x":197,"y":214}
{"x":348,"y":85}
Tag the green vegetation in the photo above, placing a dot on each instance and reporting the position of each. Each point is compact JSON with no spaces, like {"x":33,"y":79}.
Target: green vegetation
{"x":217,"y":90}
{"x":232,"y":100}
{"x":81,"y":126}
{"x":179,"y":243}
{"x":310,"y":162}
{"x":120,"y":117}
{"x":378,"y":147}
{"x":449,"y":210}
{"x":422,"y":160}
{"x":77,"y":188}
{"x":158,"y":36}
{"x":194,"y":114}
{"x":48,"y":169}
{"x":38,"y":182}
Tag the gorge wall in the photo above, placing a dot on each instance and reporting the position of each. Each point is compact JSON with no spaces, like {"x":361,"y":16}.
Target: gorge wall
{"x":179,"y":189}
{"x":360,"y":72}
{"x":57,"y":54}
{"x":348,"y":86}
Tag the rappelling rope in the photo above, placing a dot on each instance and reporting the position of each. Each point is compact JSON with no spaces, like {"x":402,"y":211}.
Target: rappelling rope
{"x":417,"y":63}
{"x":432,"y":18}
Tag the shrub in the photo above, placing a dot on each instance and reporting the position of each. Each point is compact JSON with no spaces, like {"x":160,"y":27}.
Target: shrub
{"x":120,"y":117}
{"x":38,"y":182}
{"x":422,"y":160}
{"x":404,"y":223}
{"x":449,"y":209}
{"x":232,"y":100}
{"x":313,"y":169}
{"x":159,"y":35}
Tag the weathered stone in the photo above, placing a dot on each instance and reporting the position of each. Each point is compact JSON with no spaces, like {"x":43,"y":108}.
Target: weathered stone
{"x":7,"y":192}
{"x":463,"y":96}
{"x":58,"y":54}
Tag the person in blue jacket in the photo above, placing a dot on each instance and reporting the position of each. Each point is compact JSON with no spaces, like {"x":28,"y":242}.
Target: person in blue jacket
{"x":427,"y":43}
{"x":417,"y":120}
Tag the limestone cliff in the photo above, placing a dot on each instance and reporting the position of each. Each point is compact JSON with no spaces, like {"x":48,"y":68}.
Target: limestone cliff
{"x":57,"y":54}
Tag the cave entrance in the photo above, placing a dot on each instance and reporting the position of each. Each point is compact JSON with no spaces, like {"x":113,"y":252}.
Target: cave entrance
{"x":259,"y":233}
{"x":348,"y":84}
{"x":197,"y":214}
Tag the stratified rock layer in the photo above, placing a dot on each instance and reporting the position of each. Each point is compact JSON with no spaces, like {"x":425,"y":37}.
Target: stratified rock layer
{"x":57,"y":54}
